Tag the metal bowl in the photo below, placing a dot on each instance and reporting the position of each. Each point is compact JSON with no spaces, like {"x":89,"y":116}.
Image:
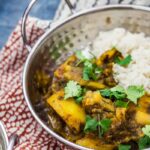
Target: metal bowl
{"x":76,"y":32}
{"x":6,"y":144}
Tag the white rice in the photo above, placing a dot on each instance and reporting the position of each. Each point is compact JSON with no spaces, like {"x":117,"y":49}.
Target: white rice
{"x":135,"y":44}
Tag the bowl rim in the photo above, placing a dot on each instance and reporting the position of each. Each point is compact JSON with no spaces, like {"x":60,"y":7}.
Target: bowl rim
{"x":42,"y":39}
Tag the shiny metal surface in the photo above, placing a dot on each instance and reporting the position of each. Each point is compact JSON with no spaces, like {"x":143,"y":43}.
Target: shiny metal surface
{"x":3,"y":137}
{"x":76,"y":32}
{"x":14,"y":139}
{"x":5,"y":143}
{"x":24,"y":19}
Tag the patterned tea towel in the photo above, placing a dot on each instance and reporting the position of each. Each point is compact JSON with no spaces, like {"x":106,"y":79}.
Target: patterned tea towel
{"x":14,"y":112}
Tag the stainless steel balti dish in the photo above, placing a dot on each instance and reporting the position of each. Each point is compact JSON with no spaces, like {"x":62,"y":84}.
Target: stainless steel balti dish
{"x":75,"y":32}
{"x":6,"y":144}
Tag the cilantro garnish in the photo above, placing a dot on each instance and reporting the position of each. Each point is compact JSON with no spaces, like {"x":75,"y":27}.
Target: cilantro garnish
{"x":80,"y":56}
{"x":123,"y":62}
{"x":91,"y":71}
{"x":79,"y":99}
{"x":132,"y":93}
{"x":116,"y":93}
{"x":92,"y":124}
{"x":146,"y":130}
{"x":135,"y":92}
{"x":105,"y":125}
{"x":120,"y":103}
{"x":144,"y":142}
{"x":124,"y":147}
{"x":72,"y":89}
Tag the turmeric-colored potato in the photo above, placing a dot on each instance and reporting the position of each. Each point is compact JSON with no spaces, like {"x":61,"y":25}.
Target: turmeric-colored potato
{"x":95,"y":101}
{"x":106,"y":55}
{"x":68,"y":72}
{"x":143,"y":110}
{"x":94,"y":143}
{"x":72,"y":113}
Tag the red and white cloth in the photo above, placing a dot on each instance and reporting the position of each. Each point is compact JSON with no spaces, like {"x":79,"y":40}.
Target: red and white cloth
{"x":14,"y":112}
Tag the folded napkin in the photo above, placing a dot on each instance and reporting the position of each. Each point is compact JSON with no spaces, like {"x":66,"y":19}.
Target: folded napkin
{"x":13,"y":108}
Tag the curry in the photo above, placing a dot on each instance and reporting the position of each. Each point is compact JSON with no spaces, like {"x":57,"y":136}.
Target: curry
{"x":89,"y":108}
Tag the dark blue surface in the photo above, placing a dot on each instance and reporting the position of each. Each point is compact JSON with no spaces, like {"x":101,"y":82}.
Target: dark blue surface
{"x":12,"y":10}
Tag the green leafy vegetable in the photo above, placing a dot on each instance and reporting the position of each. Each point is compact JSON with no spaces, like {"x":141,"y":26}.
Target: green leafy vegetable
{"x":117,"y":93}
{"x":135,"y":92}
{"x":118,"y":88}
{"x":146,"y":130}
{"x":106,"y":93}
{"x":144,"y":142}
{"x":72,"y":89}
{"x":91,"y":71}
{"x":105,"y":125}
{"x":80,"y":56}
{"x":123,"y":62}
{"x":120,"y":103}
{"x":79,"y":99}
{"x":91,"y":124}
{"x":124,"y":147}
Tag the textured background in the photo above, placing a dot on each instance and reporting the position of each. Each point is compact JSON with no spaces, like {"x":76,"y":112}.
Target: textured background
{"x":12,"y":10}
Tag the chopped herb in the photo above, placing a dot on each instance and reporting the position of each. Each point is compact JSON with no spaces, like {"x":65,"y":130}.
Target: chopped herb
{"x":79,"y":99}
{"x":124,"y":147}
{"x":87,"y":70}
{"x":135,"y":92}
{"x":123,"y":62}
{"x":105,"y":125}
{"x":118,"y":88}
{"x":120,"y":103}
{"x":72,"y":89}
{"x":144,"y":142}
{"x":146,"y":130}
{"x":106,"y":93}
{"x":91,"y":124}
{"x":80,"y":55}
{"x":91,"y":71}
{"x":117,"y":93}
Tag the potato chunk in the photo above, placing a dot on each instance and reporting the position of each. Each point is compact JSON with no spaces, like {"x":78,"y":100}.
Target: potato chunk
{"x":94,"y":143}
{"x":93,"y":101}
{"x":143,"y":110}
{"x":107,"y":56}
{"x":72,"y":113}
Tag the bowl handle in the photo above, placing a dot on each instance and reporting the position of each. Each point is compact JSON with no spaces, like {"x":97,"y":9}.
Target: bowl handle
{"x":14,"y":139}
{"x":24,"y":19}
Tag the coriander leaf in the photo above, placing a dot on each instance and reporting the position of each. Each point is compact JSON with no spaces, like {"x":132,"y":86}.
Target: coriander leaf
{"x":146,"y":130}
{"x":87,"y":71}
{"x":135,"y":92}
{"x":118,"y":88}
{"x":122,"y":104}
{"x":105,"y":125}
{"x":118,"y":92}
{"x":79,"y":99}
{"x":118,"y":95}
{"x":124,"y":61}
{"x":124,"y":147}
{"x":144,"y":142}
{"x":90,"y":125}
{"x":72,"y":89}
{"x":106,"y":93}
{"x":80,"y":55}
